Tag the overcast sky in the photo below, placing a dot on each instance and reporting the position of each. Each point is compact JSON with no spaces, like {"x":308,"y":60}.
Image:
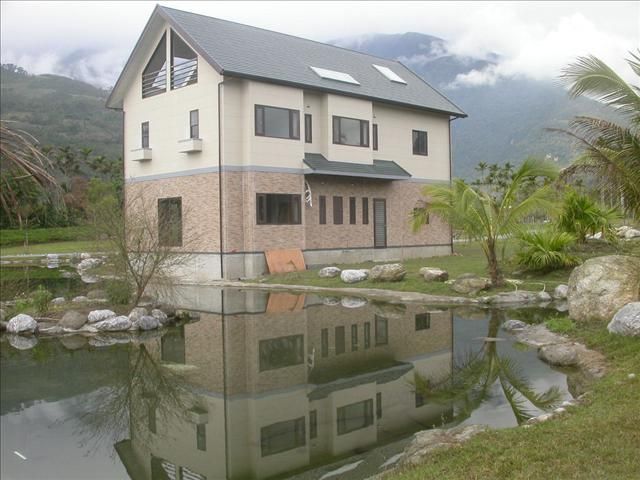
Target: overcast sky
{"x":92,"y":40}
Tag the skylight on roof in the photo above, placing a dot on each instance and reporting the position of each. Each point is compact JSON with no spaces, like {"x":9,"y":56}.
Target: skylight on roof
{"x":333,"y":75}
{"x":390,"y":74}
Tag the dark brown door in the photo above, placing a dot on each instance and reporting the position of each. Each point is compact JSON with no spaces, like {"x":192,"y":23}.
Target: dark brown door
{"x":379,"y":223}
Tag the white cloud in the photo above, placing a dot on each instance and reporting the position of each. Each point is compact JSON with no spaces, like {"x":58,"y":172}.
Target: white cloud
{"x":534,"y":39}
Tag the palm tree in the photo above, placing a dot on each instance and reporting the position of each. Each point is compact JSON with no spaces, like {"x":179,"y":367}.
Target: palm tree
{"x":611,"y":150}
{"x":23,"y":168}
{"x":485,"y":217}
{"x":471,"y":381}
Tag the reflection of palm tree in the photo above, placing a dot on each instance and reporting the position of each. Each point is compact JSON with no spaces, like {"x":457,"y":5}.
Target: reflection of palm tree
{"x":471,"y":382}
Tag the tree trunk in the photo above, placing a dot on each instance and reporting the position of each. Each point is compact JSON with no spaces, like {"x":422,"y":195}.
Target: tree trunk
{"x":494,"y":267}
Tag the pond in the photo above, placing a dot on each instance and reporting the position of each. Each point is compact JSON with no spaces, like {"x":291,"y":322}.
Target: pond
{"x":263,"y":384}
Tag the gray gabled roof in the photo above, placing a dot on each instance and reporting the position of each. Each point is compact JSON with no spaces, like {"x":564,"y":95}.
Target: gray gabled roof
{"x":383,"y":169}
{"x":234,"y":49}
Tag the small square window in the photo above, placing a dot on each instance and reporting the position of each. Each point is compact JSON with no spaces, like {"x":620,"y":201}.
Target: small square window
{"x":423,"y":321}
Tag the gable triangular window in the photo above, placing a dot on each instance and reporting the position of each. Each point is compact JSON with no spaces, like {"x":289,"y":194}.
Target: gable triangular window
{"x":184,"y":63}
{"x":154,"y":75}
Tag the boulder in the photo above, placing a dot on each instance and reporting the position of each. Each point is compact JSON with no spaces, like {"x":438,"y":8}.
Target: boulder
{"x":329,"y":272}
{"x":53,"y":257}
{"x":353,"y":276}
{"x":159,"y":315}
{"x":434,"y":274}
{"x":390,"y":272}
{"x":603,"y":285}
{"x":22,"y":343}
{"x":620,"y":231}
{"x":58,"y":301}
{"x":511,"y":325}
{"x":80,"y":299}
{"x":84,"y":256}
{"x":100,"y":315}
{"x":626,"y":321}
{"x":561,"y":354}
{"x":425,"y":442}
{"x":89,"y":263}
{"x":115,"y":324}
{"x":543,"y":297}
{"x":73,"y":320}
{"x":631,"y":233}
{"x":331,"y":301}
{"x":560,"y":292}
{"x":353,"y":302}
{"x":470,"y":283}
{"x":22,"y":324}
{"x":137,"y":313}
{"x":518,"y":296}
{"x":147,"y":323}
{"x":96,"y":294}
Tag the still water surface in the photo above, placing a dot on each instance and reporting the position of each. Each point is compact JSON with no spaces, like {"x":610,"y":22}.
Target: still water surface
{"x":262,"y":385}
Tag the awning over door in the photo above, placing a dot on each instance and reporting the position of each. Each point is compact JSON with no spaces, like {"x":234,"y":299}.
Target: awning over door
{"x":382,"y":169}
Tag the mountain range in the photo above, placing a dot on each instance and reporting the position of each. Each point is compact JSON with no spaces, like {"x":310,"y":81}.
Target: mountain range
{"x":506,"y":123}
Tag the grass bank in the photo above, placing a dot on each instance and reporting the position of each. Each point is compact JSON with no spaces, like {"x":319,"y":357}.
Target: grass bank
{"x":13,"y":237}
{"x":56,"y":247}
{"x":467,"y":258}
{"x":596,"y":440}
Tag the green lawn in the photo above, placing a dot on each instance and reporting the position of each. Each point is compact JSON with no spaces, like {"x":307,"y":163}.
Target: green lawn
{"x":56,"y":247}
{"x":14,"y":237}
{"x":468,"y":258}
{"x":598,"y":440}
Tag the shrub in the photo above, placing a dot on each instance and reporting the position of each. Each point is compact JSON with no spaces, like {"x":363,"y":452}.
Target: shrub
{"x":581,"y":216}
{"x":546,"y":250}
{"x":41,"y":299}
{"x":118,"y":292}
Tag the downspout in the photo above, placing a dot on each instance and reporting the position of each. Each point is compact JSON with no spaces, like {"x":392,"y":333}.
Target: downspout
{"x":451,"y":119}
{"x":220,"y":89}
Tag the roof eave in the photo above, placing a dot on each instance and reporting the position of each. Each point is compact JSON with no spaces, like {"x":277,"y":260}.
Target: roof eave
{"x":304,"y":86}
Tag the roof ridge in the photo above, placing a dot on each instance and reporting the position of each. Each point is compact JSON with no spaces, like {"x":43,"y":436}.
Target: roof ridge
{"x":288,"y":34}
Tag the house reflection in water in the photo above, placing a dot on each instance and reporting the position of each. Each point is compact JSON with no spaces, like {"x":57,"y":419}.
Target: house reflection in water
{"x":280,"y":383}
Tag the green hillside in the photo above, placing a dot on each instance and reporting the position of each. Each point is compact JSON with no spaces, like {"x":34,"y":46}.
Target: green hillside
{"x":60,"y":111}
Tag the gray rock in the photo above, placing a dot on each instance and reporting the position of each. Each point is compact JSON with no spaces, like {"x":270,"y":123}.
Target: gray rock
{"x":560,"y":292}
{"x":58,"y":301}
{"x":85,"y":256}
{"x":147,"y":323}
{"x":390,"y":272}
{"x":353,"y":276}
{"x":73,"y":342}
{"x":626,"y":321}
{"x":353,"y":302}
{"x":561,"y":355}
{"x":329,"y":272}
{"x":22,"y":343}
{"x":100,"y":315}
{"x":519,"y":296}
{"x":137,"y":313}
{"x":107,"y":340}
{"x":80,"y":299}
{"x":53,"y":257}
{"x":167,"y":308}
{"x":22,"y":324}
{"x":96,"y":294}
{"x":50,"y":330}
{"x":470,"y":283}
{"x":331,"y":301}
{"x":544,"y":297}
{"x":434,"y":274}
{"x":511,"y":325}
{"x":159,"y":315}
{"x":631,"y":233}
{"x":115,"y":324}
{"x":73,"y":320}
{"x":601,"y":286}
{"x":89,"y":263}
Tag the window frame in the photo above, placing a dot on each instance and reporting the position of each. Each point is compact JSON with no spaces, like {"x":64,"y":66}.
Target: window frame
{"x":322,"y":210}
{"x":340,"y":340}
{"x":415,"y":136}
{"x":144,"y":135}
{"x":374,"y":136}
{"x":194,"y":135}
{"x":293,"y":218}
{"x":308,"y":128}
{"x":201,"y":436}
{"x":364,"y":138}
{"x":294,"y":118}
{"x":365,"y":210}
{"x":367,"y":418}
{"x":162,"y":230}
{"x":352,"y":210}
{"x":422,"y":321}
{"x":338,"y":210}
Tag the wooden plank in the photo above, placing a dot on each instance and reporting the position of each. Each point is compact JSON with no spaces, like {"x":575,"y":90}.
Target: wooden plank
{"x":284,"y":261}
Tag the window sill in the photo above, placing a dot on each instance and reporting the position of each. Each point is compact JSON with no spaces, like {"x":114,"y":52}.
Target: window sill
{"x":190,"y":145}
{"x":141,"y":155}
